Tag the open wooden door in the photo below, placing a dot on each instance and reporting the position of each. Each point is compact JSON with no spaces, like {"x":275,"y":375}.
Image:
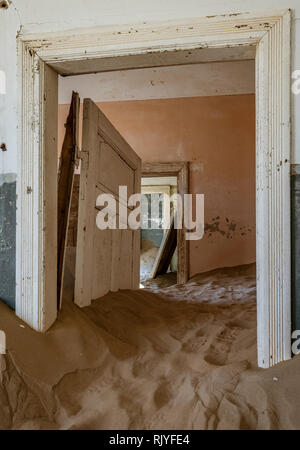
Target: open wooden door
{"x":65,"y":187}
{"x":106,"y":260}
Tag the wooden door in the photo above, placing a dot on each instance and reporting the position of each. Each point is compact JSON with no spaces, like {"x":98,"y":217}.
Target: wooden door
{"x":106,"y":260}
{"x":65,"y":187}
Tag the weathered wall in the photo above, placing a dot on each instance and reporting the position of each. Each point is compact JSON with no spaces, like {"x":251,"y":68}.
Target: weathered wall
{"x":7,"y":238}
{"x":217,"y":136}
{"x":34,"y":16}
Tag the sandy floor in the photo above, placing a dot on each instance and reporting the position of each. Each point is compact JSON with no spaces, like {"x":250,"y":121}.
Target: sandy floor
{"x":148,"y":256}
{"x":160,"y":282}
{"x":181,"y":358}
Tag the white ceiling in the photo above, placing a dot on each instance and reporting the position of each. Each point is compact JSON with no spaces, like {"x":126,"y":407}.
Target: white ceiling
{"x":191,"y":80}
{"x":159,"y":181}
{"x":154,"y":59}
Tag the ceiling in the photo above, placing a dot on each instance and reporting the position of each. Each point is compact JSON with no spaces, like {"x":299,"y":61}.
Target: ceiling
{"x":188,"y":80}
{"x":154,"y":59}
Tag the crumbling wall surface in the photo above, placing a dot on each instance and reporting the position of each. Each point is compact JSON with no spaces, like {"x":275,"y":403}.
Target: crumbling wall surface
{"x":9,"y":26}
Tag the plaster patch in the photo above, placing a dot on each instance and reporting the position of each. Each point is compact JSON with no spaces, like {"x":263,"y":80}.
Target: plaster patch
{"x":228,"y":229}
{"x":4,"y":4}
{"x":295,"y":169}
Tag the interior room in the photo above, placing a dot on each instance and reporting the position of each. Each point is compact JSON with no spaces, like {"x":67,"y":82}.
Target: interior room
{"x":155,"y":222}
{"x":200,"y":113}
{"x":149,"y":223}
{"x":202,"y":116}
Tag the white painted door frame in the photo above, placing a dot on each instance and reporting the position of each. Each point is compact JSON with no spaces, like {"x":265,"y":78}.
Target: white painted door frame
{"x":36,"y":205}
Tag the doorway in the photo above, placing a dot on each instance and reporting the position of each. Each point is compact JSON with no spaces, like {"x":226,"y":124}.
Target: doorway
{"x":43,"y":58}
{"x":156,"y":215}
{"x":171,"y":178}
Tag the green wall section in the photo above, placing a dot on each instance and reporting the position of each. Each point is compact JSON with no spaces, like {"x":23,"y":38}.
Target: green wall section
{"x":8,"y":238}
{"x":295,"y":224}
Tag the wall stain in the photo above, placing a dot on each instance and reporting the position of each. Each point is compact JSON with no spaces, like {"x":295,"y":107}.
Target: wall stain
{"x":228,"y":228}
{"x":4,"y":4}
{"x":227,"y":15}
{"x":295,"y":169}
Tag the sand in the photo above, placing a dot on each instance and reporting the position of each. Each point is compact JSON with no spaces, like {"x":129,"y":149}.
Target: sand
{"x":148,"y":255}
{"x":178,"y":358}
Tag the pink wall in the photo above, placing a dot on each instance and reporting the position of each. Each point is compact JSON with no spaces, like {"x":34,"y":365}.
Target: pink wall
{"x":217,"y":136}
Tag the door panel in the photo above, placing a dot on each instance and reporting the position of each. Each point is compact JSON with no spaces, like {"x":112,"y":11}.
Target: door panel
{"x":65,"y":187}
{"x":123,"y":174}
{"x":106,"y":260}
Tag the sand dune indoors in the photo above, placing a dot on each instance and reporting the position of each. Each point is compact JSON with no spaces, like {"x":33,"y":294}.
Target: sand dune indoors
{"x":180,"y":358}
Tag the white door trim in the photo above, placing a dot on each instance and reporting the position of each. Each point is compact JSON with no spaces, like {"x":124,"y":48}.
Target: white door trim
{"x":270,"y":33}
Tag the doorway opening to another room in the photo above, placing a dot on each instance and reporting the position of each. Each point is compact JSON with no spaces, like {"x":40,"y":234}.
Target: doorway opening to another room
{"x":43,"y":57}
{"x":158,"y":237}
{"x":164,"y":257}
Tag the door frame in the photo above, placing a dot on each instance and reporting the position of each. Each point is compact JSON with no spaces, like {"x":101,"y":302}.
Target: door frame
{"x":39,"y":54}
{"x":181,"y":171}
{"x":162,"y":190}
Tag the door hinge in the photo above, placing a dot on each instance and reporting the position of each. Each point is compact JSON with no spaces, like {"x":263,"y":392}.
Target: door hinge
{"x":81,"y":155}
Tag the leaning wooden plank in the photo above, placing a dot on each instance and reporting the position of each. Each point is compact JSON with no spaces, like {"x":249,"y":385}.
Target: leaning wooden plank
{"x":166,"y":251}
{"x":65,"y":187}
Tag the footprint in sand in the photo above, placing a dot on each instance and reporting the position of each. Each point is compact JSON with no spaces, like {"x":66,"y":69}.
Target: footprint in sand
{"x":240,"y":324}
{"x":218,"y":351}
{"x":217,"y":355}
{"x":163,"y":342}
{"x":163,"y":394}
{"x":197,"y":343}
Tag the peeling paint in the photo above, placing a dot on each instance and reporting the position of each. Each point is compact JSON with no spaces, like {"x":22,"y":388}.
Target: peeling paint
{"x":4,"y":4}
{"x":295,"y":169}
{"x":19,"y":31}
{"x":228,"y":229}
{"x":227,"y":15}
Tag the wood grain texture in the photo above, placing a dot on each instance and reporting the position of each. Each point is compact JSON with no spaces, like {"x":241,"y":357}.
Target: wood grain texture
{"x":65,"y":187}
{"x":73,"y":217}
{"x":86,"y":213}
{"x":48,"y":203}
{"x":106,"y":260}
